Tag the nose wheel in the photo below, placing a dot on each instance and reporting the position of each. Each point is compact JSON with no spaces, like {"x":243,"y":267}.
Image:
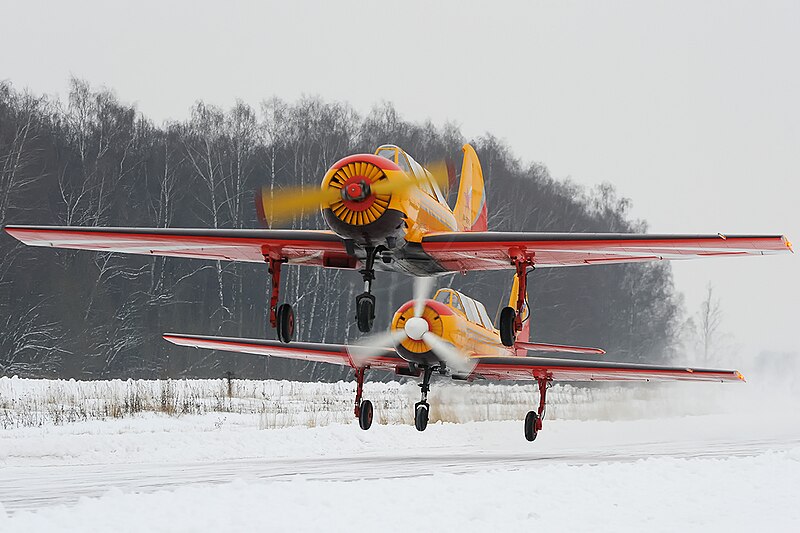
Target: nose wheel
{"x":365,"y":312}
{"x":421,"y":415}
{"x":422,"y":408}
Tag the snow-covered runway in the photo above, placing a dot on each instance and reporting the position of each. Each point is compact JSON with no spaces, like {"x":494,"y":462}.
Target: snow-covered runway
{"x":719,"y":471}
{"x":30,"y":488}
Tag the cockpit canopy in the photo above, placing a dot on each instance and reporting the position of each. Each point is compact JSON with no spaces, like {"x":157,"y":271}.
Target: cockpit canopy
{"x":472,"y":309}
{"x":408,"y":165}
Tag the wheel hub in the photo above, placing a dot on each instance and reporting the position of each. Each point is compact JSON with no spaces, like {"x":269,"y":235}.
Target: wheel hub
{"x":416,"y":327}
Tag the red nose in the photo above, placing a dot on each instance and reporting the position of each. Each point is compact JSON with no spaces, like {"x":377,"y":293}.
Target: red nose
{"x":356,"y":191}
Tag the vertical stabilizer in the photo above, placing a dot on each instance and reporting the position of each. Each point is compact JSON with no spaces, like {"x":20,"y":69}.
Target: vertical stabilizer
{"x":470,"y":210}
{"x":525,"y":334}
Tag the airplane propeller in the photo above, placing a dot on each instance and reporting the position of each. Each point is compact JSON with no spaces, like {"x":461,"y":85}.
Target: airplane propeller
{"x":283,"y":204}
{"x":415,"y":328}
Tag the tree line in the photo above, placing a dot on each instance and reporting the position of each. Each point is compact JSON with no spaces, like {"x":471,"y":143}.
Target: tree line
{"x":92,"y":160}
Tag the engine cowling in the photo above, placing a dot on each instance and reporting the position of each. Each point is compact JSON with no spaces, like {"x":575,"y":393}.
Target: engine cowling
{"x":359,"y":212}
{"x":416,"y":350}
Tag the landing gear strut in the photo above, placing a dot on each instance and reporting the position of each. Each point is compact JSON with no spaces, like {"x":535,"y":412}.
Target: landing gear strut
{"x":363,"y":409}
{"x":365,"y":302}
{"x":511,"y":317}
{"x":421,"y":408}
{"x":280,"y":317}
{"x":533,"y":420}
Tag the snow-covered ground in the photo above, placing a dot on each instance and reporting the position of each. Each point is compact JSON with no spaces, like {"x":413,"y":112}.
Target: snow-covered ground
{"x":699,"y":457}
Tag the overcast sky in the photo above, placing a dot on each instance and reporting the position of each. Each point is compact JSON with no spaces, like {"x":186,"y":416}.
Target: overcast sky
{"x":689,"y":108}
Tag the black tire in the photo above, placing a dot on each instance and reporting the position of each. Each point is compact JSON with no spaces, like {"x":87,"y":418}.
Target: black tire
{"x":530,"y":425}
{"x":507,"y":333}
{"x":365,"y":415}
{"x":421,"y":416}
{"x":285,"y":323}
{"x":365,"y":314}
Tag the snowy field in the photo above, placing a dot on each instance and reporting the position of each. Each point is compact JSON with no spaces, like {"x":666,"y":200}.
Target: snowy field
{"x":281,"y":456}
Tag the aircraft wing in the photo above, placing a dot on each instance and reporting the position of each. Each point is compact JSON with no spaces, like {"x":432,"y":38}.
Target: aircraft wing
{"x":542,"y":347}
{"x":318,"y":248}
{"x":380,"y":358}
{"x":491,"y":250}
{"x":530,"y":368}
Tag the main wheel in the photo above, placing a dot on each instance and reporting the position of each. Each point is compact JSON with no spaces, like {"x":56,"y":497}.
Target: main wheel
{"x":365,"y":415}
{"x":285,"y":323}
{"x":421,"y":416}
{"x":365,"y":313}
{"x":507,"y":317}
{"x":530,"y":425}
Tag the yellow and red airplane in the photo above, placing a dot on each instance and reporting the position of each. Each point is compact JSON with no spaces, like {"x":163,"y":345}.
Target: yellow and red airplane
{"x":452,"y":334}
{"x":388,"y":212}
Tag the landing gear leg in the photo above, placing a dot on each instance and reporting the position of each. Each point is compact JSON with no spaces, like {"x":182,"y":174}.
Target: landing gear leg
{"x":363,"y":409}
{"x":365,"y":302}
{"x":533,"y":420}
{"x":521,"y":264}
{"x":421,"y":408}
{"x":511,"y":317}
{"x":280,"y":317}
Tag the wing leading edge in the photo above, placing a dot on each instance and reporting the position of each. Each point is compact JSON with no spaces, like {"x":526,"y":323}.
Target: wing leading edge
{"x":319,"y":248}
{"x":337,"y":354}
{"x":491,"y":250}
{"x":531,"y":368}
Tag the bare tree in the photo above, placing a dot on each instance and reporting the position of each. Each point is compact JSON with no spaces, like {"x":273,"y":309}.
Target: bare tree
{"x":709,"y":321}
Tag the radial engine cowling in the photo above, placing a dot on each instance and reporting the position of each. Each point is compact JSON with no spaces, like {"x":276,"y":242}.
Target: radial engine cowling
{"x":413,"y":348}
{"x":363,"y":208}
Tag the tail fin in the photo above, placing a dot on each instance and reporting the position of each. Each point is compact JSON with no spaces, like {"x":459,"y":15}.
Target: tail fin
{"x":525,"y":334}
{"x":470,"y":210}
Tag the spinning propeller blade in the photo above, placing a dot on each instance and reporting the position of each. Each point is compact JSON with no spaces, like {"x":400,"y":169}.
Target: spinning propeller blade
{"x":422,"y":291}
{"x":455,"y":359}
{"x":283,"y":204}
{"x":361,"y":351}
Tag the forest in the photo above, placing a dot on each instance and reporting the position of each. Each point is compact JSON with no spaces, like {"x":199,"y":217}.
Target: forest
{"x":92,"y":160}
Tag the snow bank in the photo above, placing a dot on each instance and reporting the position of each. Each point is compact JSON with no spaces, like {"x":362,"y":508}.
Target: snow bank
{"x":36,"y":403}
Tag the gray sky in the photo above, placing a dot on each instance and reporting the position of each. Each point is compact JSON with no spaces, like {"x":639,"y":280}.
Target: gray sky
{"x":689,"y":108}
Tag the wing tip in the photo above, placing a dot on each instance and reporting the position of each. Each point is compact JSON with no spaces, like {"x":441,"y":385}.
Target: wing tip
{"x":179,"y":339}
